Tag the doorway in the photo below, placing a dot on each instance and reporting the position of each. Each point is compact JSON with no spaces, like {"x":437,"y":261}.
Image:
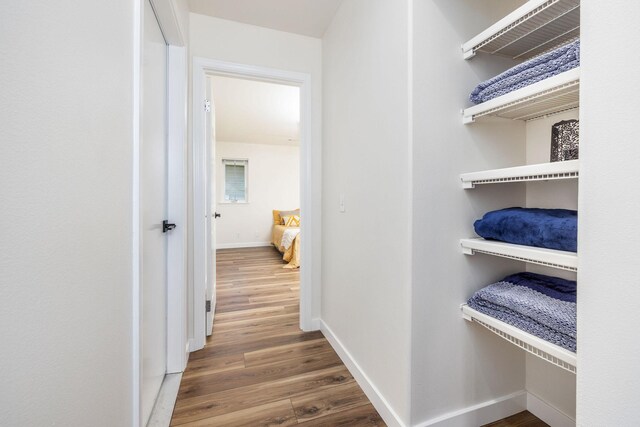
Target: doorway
{"x":203,"y":212}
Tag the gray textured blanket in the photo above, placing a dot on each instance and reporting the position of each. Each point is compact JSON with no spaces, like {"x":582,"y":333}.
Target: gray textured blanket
{"x":548,"y":318}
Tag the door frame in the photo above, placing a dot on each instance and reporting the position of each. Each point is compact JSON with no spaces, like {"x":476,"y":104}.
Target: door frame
{"x":202,"y":68}
{"x":177,"y":335}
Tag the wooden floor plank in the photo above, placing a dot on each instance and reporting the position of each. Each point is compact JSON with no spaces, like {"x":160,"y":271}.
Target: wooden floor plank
{"x":360,"y":416}
{"x":270,"y":414}
{"x":214,"y":404}
{"x":325,"y":402}
{"x":198,"y":368}
{"x":258,"y":368}
{"x":289,"y":351}
{"x":254,"y":375}
{"x":522,"y":419}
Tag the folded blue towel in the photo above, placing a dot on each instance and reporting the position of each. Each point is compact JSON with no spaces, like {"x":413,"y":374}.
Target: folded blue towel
{"x":554,"y":287}
{"x":539,"y":68}
{"x":544,"y":228}
{"x":541,"y":305}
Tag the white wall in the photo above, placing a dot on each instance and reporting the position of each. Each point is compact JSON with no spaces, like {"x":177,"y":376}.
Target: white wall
{"x":608,"y":317}
{"x":273,"y":183}
{"x":365,"y":250}
{"x":455,"y":364}
{"x":224,"y":40}
{"x":553,"y":385}
{"x":65,"y":246}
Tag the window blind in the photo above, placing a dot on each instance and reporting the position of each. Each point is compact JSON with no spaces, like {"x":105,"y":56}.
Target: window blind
{"x":235,"y":183}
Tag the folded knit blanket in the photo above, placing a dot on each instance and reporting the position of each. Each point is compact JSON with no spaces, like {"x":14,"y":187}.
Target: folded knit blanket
{"x":541,"y":305}
{"x":543,"y":228}
{"x":539,"y":68}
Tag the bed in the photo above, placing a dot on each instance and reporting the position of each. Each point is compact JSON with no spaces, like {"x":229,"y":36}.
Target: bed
{"x":543,"y":306}
{"x":286,"y":236}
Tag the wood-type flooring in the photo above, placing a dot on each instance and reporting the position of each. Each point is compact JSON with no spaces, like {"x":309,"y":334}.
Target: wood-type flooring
{"x":258,"y":368}
{"x":523,"y":419}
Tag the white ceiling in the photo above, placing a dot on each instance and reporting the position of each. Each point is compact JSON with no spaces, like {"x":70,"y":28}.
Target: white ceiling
{"x":306,"y":17}
{"x":256,"y":112}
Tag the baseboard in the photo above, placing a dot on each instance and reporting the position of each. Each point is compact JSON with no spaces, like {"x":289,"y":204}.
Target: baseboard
{"x":482,"y":413}
{"x":379,"y":402}
{"x":548,"y":413}
{"x":242,"y":245}
{"x":316,"y":324}
{"x":192,"y":346}
{"x":166,"y":400}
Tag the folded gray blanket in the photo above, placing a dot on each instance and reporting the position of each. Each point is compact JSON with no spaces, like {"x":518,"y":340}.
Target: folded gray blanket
{"x":539,"y":68}
{"x":526,"y":305}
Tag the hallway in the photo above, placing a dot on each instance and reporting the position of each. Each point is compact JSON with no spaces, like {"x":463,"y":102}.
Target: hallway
{"x":258,"y":368}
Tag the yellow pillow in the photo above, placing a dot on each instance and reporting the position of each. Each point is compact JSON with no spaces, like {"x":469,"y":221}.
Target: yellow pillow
{"x":291,"y":221}
{"x":277,"y":215}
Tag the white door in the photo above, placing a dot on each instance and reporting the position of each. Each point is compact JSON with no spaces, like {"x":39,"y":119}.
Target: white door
{"x":153,"y":191}
{"x":210,"y":204}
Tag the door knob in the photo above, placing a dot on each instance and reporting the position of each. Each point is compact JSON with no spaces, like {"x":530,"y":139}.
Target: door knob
{"x":166,"y":226}
{"x":216,"y":215}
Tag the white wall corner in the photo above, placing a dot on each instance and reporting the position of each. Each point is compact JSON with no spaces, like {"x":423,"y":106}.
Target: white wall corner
{"x":548,"y":413}
{"x":383,"y":407}
{"x":481,"y":413}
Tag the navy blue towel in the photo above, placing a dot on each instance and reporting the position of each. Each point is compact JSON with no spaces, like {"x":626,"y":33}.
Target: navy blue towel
{"x":543,"y":228}
{"x":554,"y":287}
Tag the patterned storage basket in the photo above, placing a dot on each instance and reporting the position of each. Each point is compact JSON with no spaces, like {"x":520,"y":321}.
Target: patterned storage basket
{"x":564,"y":140}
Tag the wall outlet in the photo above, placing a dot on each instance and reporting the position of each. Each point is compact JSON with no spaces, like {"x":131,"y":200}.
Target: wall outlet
{"x":237,"y":236}
{"x":341,"y":205}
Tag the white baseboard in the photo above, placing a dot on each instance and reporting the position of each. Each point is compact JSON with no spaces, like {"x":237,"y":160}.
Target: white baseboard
{"x":548,"y":413}
{"x":316,"y":324}
{"x":242,"y":245}
{"x":192,"y":346}
{"x":482,"y":413}
{"x":379,"y":402}
{"x":475,"y":415}
{"x":166,"y":400}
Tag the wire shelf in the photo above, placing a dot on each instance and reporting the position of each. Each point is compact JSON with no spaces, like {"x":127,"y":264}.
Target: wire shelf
{"x":534,"y":28}
{"x":550,"y":96}
{"x":545,"y":350}
{"x":562,"y":260}
{"x":540,"y":172}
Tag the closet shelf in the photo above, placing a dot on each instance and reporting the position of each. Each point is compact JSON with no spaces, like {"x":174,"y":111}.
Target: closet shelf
{"x":562,"y":260}
{"x":534,"y":28}
{"x":541,"y":172}
{"x":545,"y":350}
{"x":549,"y":96}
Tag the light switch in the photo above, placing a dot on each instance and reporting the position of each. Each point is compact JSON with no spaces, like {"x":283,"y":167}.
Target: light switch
{"x":342,"y":208}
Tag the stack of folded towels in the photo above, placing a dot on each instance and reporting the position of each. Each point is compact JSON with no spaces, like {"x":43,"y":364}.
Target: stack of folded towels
{"x":539,"y":68}
{"x":541,"y":305}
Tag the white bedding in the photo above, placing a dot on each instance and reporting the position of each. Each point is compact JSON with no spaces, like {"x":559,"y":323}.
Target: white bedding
{"x":287,"y":237}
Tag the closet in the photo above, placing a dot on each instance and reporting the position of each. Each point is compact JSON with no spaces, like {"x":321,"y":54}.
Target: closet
{"x":535,"y":28}
{"x":472,"y":159}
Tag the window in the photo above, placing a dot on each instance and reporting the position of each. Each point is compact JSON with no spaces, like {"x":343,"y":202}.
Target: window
{"x":235,"y":180}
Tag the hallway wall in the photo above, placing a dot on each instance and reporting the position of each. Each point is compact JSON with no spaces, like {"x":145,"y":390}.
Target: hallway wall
{"x":608,"y":318}
{"x":365,"y":249}
{"x":66,"y":242}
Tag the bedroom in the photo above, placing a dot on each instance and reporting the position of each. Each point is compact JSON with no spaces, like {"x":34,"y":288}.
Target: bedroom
{"x":256,"y":170}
